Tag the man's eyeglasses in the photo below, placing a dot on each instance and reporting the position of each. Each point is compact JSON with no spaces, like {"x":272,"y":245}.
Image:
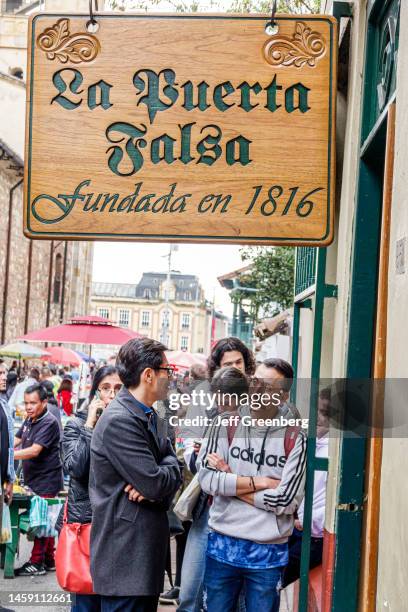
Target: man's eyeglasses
{"x":169,"y":370}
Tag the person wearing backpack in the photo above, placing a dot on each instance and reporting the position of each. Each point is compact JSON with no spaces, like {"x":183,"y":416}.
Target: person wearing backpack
{"x":257,"y":484}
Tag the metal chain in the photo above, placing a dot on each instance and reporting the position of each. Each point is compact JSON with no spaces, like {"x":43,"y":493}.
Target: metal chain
{"x":91,"y":11}
{"x":271,"y":26}
{"x":274,"y":9}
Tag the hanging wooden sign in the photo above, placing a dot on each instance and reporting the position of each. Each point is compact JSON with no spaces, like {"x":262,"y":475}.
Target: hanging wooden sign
{"x":180,"y":127}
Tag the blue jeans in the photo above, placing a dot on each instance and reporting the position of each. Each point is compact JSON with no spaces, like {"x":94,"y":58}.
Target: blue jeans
{"x":223,"y":584}
{"x":192,"y":573}
{"x":86,"y":603}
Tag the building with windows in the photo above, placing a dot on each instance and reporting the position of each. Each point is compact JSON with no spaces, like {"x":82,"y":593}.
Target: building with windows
{"x":172,"y":310}
{"x":41,"y":282}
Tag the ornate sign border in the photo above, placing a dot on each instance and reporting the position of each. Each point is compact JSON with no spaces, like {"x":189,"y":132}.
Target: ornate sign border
{"x":260,"y":240}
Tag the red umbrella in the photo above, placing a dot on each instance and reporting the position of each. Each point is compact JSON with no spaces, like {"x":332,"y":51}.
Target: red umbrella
{"x":84,"y":330}
{"x":63,"y":356}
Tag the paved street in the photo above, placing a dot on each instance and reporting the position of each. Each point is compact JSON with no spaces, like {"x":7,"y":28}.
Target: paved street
{"x":46,"y":584}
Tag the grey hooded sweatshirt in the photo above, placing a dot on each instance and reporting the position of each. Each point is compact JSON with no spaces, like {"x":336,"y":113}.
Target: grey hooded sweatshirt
{"x":270,"y":520}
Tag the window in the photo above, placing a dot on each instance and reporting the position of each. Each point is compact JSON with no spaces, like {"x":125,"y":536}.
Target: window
{"x":147,"y":294}
{"x":187,"y":296}
{"x":145,"y":318}
{"x":57,"y":278}
{"x":124,"y":317}
{"x":185,"y":321}
{"x":103,"y":312}
{"x":165,"y":339}
{"x":184,"y":342}
{"x":165,"y":321}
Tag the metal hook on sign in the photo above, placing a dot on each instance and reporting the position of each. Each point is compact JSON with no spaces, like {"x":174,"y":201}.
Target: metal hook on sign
{"x":272,"y":27}
{"x":92,"y":25}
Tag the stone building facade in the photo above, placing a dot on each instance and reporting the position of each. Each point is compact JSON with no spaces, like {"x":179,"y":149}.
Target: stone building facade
{"x":173,"y":311}
{"x":41,"y":282}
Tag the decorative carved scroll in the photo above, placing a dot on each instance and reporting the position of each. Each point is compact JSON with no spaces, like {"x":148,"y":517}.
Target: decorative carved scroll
{"x":58,"y":43}
{"x":304,"y":47}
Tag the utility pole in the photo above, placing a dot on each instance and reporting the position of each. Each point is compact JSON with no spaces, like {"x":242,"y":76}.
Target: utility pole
{"x":195,"y":320}
{"x":166,"y":319}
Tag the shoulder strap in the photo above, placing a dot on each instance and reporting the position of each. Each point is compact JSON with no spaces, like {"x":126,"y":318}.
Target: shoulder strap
{"x":291,"y":434}
{"x":65,"y":517}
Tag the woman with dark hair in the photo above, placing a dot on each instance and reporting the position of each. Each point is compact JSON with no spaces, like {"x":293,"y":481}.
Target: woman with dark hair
{"x":76,"y":449}
{"x":64,"y":396}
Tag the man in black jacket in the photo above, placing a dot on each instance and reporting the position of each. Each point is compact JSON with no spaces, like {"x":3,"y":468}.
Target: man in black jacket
{"x":129,"y":540}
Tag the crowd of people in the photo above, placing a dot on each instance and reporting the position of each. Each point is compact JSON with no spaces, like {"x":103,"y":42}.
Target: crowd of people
{"x":135,"y":449}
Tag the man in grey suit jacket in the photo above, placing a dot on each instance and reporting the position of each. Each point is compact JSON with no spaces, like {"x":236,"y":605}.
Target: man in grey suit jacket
{"x":129,"y":535}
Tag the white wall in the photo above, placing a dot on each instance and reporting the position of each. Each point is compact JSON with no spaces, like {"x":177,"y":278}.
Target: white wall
{"x":12,"y":115}
{"x":278,"y":346}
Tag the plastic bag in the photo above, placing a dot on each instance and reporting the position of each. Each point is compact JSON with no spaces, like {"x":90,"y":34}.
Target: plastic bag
{"x":187,"y":500}
{"x":38,"y":512}
{"x":53,"y":513}
{"x":43,"y":517}
{"x":5,"y":537}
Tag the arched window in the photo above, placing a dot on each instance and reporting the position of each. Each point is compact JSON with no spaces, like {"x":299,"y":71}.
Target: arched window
{"x":57,"y":278}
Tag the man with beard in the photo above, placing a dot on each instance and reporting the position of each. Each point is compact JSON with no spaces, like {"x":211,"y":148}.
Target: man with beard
{"x":129,"y":540}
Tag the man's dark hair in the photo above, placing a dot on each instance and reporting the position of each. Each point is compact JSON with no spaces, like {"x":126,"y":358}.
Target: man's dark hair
{"x":230,"y":344}
{"x":45,"y":372}
{"x":49,"y":387}
{"x":100,"y":374}
{"x":38,"y":388}
{"x":229,"y":380}
{"x":137,"y":355}
{"x":198,"y":371}
{"x":284,"y":368}
{"x":35,"y":373}
{"x":325,"y":394}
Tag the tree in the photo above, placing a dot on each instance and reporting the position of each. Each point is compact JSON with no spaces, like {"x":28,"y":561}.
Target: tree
{"x":272,"y":274}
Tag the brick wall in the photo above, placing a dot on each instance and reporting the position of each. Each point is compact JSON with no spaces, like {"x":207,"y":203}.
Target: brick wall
{"x":78,"y":270}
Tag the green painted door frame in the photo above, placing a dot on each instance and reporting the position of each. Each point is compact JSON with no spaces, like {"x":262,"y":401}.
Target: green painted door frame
{"x":320,"y":291}
{"x":378,"y":93}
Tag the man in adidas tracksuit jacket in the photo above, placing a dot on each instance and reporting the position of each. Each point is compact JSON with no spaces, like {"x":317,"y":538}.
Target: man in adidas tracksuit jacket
{"x":257,"y":482}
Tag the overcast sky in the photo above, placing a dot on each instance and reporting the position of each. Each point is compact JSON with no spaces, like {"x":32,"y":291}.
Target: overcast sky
{"x":125,"y":262}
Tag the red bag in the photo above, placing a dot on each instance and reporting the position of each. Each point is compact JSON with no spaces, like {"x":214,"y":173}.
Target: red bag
{"x":72,"y":558}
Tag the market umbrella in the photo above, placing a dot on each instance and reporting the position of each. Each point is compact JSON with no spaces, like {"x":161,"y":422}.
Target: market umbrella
{"x":84,"y":330}
{"x":21,"y":350}
{"x":63,"y":356}
{"x":184,"y":359}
